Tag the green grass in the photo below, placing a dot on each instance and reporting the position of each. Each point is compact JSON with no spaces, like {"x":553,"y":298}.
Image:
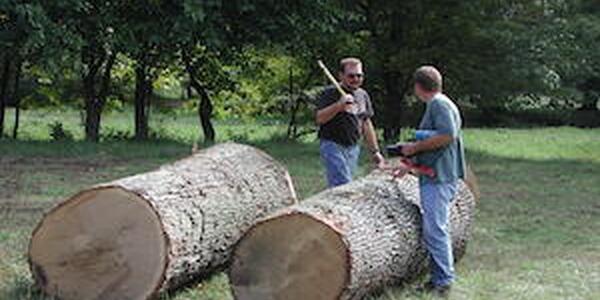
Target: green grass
{"x":537,"y":231}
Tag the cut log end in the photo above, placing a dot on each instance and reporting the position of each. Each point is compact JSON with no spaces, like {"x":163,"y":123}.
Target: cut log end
{"x":104,"y":243}
{"x":284,"y":255}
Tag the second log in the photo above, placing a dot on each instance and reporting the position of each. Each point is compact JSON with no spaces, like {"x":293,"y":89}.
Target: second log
{"x":343,"y":243}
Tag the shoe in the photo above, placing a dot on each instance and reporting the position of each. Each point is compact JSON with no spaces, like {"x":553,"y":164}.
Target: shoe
{"x":441,"y":291}
{"x":426,"y":287}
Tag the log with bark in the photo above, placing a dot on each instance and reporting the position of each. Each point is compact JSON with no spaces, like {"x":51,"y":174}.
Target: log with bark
{"x":138,"y":236}
{"x":343,"y":243}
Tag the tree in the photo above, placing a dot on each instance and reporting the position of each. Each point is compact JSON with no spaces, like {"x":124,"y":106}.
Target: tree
{"x":26,"y":35}
{"x":585,"y":32}
{"x":147,"y":32}
{"x":14,"y":30}
{"x":552,"y":46}
{"x":222,"y":33}
{"x":3,"y":92}
{"x":451,"y":35}
{"x":206,"y":73}
{"x":88,"y":36}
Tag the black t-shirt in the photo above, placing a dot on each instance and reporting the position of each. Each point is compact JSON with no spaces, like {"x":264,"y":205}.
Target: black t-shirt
{"x":345,"y":128}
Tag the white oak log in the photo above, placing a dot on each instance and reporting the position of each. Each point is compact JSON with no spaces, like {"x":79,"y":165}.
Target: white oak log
{"x":139,"y":236}
{"x":343,"y":243}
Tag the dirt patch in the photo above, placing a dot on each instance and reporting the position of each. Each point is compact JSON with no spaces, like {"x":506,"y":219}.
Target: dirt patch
{"x":8,"y":206}
{"x":13,"y":170}
{"x":19,"y":214}
{"x":55,"y":163}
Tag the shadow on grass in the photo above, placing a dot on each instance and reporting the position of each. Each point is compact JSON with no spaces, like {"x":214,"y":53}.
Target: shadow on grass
{"x":163,"y":147}
{"x":21,"y":288}
{"x":70,"y":149}
{"x":539,"y":202}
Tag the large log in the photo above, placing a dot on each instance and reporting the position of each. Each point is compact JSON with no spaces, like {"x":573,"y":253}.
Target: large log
{"x":139,"y":236}
{"x":343,"y":243}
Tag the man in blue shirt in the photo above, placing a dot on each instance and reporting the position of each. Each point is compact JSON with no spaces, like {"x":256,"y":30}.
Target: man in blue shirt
{"x":444,"y":152}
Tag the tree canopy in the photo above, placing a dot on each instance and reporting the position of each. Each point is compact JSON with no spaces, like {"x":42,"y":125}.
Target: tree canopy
{"x":257,"y":58}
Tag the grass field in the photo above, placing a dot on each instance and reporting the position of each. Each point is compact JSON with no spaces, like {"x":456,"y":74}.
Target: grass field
{"x":537,"y":231}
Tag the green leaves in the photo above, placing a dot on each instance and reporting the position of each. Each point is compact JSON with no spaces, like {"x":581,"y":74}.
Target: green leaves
{"x":195,"y":10}
{"x":495,"y":54}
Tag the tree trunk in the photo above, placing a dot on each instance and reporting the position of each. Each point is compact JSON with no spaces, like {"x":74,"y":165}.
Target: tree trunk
{"x":188,"y":90}
{"x":292,"y":131}
{"x":292,"y":128}
{"x":93,"y":59}
{"x":4,"y":78}
{"x":590,"y":102}
{"x":142,"y":92}
{"x":93,"y":109}
{"x":17,"y":99}
{"x":96,"y":91}
{"x":394,"y":106}
{"x":138,"y":236}
{"x":205,"y":107}
{"x":205,"y":110}
{"x":343,"y":243}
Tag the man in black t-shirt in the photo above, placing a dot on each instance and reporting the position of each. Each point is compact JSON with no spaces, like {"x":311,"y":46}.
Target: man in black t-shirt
{"x":343,"y":120}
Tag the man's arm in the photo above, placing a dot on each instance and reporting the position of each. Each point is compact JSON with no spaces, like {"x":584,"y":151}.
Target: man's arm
{"x":370,"y":136}
{"x":371,"y":139}
{"x":429,"y":144}
{"x":433,"y":143}
{"x":325,"y":115}
{"x":446,"y":128}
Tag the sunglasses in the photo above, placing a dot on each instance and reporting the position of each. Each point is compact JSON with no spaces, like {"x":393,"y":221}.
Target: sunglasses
{"x":355,"y":75}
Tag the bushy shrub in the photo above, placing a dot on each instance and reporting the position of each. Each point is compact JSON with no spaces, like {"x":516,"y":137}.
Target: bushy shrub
{"x":58,"y":133}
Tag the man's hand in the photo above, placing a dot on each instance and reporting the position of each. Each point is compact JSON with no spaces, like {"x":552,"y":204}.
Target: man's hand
{"x":346,"y":103}
{"x":379,"y":160}
{"x":409,"y":149}
{"x":397,"y":171}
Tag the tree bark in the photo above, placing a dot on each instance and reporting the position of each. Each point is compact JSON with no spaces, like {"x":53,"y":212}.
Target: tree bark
{"x":344,"y":243}
{"x":143,"y":89}
{"x":4,"y":78}
{"x":590,"y":102}
{"x":92,"y":105}
{"x":92,"y":58}
{"x":205,"y":107}
{"x":17,"y":98}
{"x":394,"y":106}
{"x":96,"y":84}
{"x":138,"y":236}
{"x":292,"y":130}
{"x":205,"y":111}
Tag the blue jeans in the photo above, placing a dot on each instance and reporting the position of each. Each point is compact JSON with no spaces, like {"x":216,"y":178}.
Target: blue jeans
{"x":339,"y":162}
{"x":435,"y":203}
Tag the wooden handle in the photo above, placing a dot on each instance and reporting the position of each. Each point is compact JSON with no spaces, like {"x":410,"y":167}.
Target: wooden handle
{"x":331,"y":78}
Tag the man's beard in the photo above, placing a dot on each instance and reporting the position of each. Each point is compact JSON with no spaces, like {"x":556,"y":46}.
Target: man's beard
{"x":352,"y":87}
